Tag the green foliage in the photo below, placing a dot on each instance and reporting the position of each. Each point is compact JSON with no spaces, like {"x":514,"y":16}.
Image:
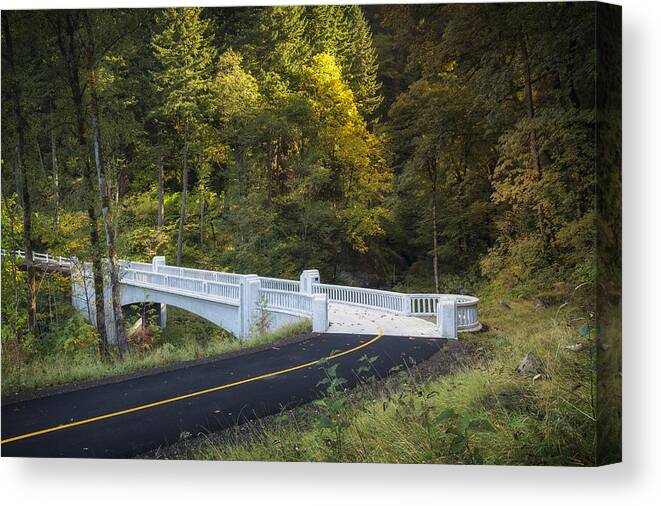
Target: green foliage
{"x":299,"y":157}
{"x":74,"y":338}
{"x":332,"y":417}
{"x":461,"y":427}
{"x":184,"y":50}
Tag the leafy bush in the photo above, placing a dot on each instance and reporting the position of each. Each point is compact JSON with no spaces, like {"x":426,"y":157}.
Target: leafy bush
{"x":75,"y":338}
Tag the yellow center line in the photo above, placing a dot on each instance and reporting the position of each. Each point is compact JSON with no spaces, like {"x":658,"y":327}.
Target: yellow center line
{"x":193,"y":394}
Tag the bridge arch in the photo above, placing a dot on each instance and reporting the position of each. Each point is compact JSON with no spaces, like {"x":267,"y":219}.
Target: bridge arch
{"x":223,"y":314}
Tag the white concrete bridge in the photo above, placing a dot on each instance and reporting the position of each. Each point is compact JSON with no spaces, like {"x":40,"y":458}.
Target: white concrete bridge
{"x":237,"y":301}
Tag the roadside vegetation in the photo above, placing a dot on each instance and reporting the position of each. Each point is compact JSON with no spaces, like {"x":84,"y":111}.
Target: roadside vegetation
{"x":69,"y":351}
{"x":482,"y":412}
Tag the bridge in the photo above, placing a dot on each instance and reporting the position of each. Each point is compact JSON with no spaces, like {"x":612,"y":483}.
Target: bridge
{"x":241,"y":302}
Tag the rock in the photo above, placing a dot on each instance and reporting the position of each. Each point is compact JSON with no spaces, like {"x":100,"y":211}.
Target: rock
{"x":576,"y":347}
{"x":529,"y":365}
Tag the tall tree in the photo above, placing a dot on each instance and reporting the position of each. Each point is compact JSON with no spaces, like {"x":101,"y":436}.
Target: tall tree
{"x":104,"y":194}
{"x":54,"y":163}
{"x":21,"y":170}
{"x":362,"y":67}
{"x":67,"y":31}
{"x":184,"y":49}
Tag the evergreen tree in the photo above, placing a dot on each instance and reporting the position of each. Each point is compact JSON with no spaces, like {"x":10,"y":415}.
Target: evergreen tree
{"x":362,"y":69}
{"x":184,"y":48}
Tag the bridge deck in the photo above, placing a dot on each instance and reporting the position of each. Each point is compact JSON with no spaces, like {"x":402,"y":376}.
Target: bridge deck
{"x":345,"y":318}
{"x":42,"y":265}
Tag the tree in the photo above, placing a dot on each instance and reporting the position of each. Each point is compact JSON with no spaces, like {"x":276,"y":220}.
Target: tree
{"x":104,"y":195}
{"x":362,"y":71}
{"x":21,"y":171}
{"x":67,"y":31}
{"x":183,"y":47}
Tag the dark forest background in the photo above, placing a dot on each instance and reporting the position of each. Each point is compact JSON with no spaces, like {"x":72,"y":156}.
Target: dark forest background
{"x":443,"y":148}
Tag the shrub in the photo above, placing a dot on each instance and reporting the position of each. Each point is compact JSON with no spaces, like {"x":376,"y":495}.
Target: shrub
{"x":76,"y":338}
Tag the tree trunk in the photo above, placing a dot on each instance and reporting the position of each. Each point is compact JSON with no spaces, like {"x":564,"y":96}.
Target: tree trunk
{"x":69,"y":52}
{"x":184,"y":192}
{"x":273,"y":169}
{"x":434,"y":237}
{"x":534,"y":147}
{"x":202,"y":204}
{"x":161,"y":183}
{"x":534,"y":150}
{"x":104,"y":194}
{"x":22,"y":186}
{"x":14,"y":242}
{"x":56,"y":172}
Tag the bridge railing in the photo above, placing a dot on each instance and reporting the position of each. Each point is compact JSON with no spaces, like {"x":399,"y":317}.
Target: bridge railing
{"x":223,"y":290}
{"x":42,"y":257}
{"x":367,"y":297}
{"x":296,"y":302}
{"x":424,"y":304}
{"x":407,"y":304}
{"x":136,"y":266}
{"x":286,"y":285}
{"x":180,"y":283}
{"x":186,"y":272}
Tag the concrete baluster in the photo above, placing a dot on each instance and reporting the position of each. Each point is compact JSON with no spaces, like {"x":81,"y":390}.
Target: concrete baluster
{"x":308,"y":278}
{"x":446,"y":318}
{"x":163,"y":309}
{"x":248,"y":300}
{"x":319,"y":312}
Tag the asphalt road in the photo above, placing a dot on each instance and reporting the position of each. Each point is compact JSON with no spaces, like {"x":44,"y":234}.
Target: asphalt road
{"x":130,"y":417}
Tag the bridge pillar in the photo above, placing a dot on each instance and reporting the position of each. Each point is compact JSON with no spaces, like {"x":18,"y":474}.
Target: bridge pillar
{"x":319,"y":312}
{"x":446,"y":318}
{"x":308,"y":278}
{"x":83,"y":297}
{"x":248,"y":300}
{"x":82,"y":290}
{"x":156,"y":261}
{"x":163,"y":310}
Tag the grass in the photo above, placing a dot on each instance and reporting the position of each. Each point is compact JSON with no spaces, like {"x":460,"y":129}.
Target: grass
{"x":483,"y":412}
{"x":186,"y":337}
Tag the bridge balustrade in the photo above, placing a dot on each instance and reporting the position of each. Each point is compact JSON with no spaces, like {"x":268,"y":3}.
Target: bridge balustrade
{"x":285,"y":295}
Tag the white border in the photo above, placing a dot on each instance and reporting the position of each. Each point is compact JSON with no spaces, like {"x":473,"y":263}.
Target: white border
{"x":637,"y":481}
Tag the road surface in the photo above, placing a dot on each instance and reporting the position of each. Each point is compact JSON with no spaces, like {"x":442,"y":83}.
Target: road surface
{"x":130,"y":417}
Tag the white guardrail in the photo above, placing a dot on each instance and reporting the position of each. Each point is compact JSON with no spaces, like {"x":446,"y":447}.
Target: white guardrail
{"x":283,"y":294}
{"x":209,"y":289}
{"x":295,"y":302}
{"x":43,"y":257}
{"x":408,"y":304}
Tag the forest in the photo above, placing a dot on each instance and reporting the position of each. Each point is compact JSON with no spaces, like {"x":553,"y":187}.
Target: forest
{"x":447,"y":148}
{"x":416,"y":148}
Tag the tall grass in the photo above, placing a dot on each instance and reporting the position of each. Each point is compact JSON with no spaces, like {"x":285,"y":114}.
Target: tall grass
{"x":186,"y":337}
{"x":508,"y":418}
